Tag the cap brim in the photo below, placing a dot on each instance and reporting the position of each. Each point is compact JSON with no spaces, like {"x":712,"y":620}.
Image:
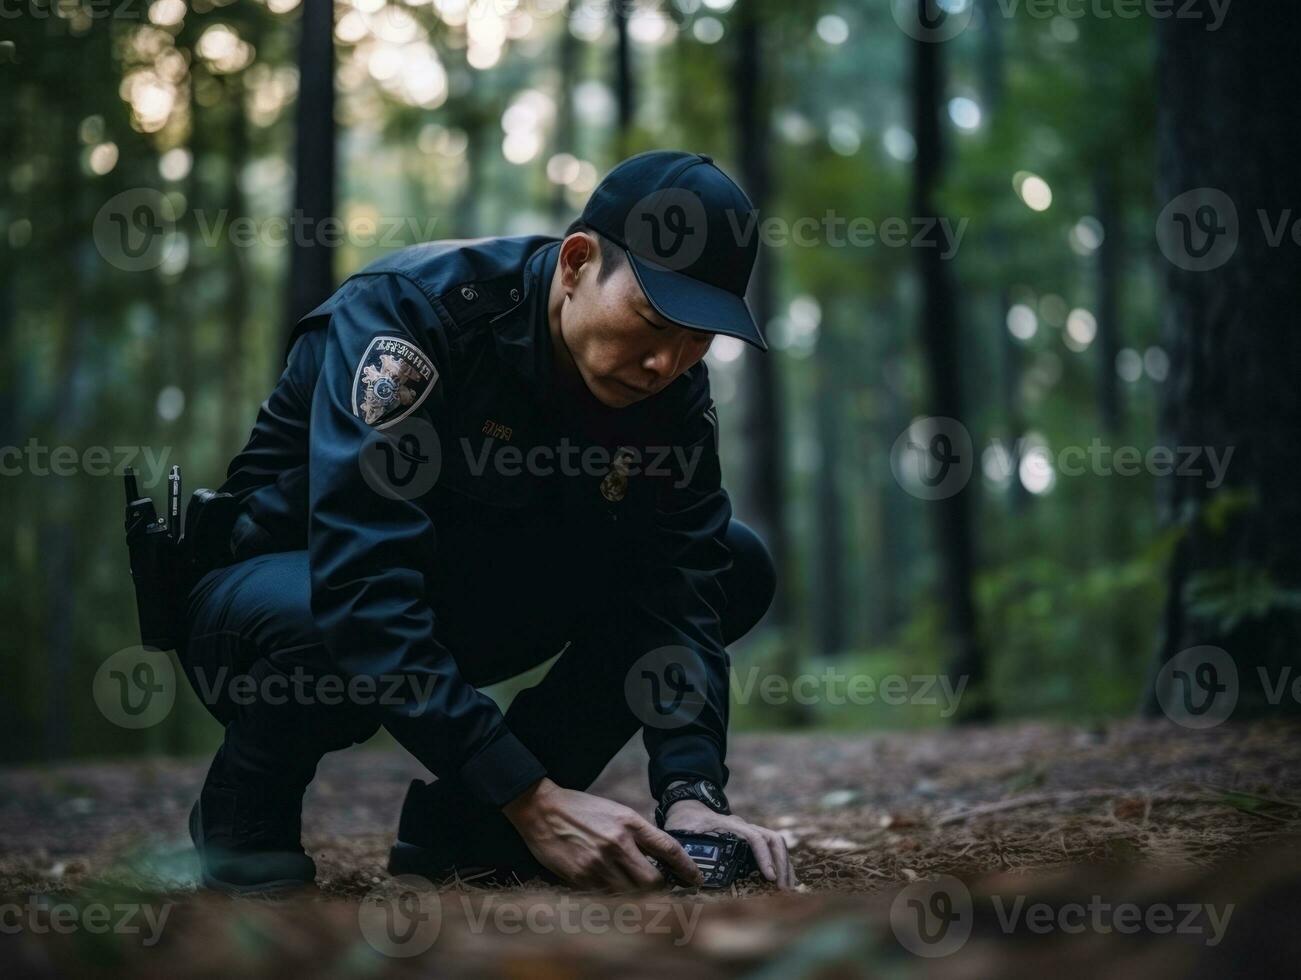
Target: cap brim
{"x":695,"y":304}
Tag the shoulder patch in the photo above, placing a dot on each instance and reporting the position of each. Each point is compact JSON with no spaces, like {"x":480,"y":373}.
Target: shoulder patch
{"x":393,"y":378}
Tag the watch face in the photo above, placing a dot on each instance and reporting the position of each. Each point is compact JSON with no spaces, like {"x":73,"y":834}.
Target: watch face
{"x":710,"y":795}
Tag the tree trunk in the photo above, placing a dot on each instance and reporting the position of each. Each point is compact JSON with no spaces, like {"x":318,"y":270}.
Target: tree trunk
{"x":311,"y":267}
{"x":830,"y":512}
{"x":235,"y":309}
{"x":1229,"y":121}
{"x":623,"y":79}
{"x":567,"y":56}
{"x":940,"y":345}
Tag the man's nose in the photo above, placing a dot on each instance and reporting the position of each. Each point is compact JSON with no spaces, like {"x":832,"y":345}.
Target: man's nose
{"x":664,"y":360}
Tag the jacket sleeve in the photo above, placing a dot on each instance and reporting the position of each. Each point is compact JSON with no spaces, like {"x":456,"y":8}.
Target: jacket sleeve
{"x":677,"y":609}
{"x":367,"y":547}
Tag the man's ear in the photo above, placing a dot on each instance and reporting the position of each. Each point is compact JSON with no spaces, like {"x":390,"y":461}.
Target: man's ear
{"x":578,"y":250}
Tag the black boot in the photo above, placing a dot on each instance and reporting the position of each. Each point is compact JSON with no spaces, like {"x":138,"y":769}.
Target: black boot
{"x":247,"y":834}
{"x":444,"y":832}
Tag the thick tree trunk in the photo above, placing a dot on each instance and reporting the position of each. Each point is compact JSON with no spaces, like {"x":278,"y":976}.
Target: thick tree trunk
{"x":940,"y":345}
{"x":311,"y":263}
{"x":1229,"y":121}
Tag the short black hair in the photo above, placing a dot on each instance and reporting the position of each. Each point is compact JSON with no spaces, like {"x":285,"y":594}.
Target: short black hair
{"x":612,"y":254}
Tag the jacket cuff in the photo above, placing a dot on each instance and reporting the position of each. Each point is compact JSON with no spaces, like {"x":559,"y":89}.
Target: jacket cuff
{"x":502,"y":771}
{"x":688,"y":757}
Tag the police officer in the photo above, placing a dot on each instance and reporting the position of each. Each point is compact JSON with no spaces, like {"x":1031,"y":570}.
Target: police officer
{"x":479,"y":453}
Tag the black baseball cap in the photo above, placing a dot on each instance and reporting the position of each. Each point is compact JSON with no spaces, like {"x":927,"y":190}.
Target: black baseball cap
{"x":691,"y":236}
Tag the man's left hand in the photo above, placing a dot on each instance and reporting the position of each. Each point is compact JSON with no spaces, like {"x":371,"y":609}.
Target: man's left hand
{"x":769,"y":847}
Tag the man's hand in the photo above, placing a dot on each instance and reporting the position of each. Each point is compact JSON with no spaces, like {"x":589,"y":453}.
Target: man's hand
{"x":769,"y":847}
{"x":593,"y":842}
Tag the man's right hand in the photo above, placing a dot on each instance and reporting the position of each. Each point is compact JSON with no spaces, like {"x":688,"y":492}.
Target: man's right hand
{"x":595,"y":843}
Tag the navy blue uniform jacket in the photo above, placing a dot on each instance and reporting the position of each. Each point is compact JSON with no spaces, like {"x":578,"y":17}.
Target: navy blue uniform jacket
{"x":453,"y":336}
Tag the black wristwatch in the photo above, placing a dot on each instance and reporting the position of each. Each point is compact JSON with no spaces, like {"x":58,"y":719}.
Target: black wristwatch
{"x":702,"y":790}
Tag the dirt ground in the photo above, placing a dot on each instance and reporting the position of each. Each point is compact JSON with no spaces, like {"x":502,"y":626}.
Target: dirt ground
{"x":1200,"y":832}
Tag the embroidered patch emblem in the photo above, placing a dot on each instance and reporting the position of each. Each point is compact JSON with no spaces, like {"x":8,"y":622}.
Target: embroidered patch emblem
{"x":392,"y":379}
{"x":615,"y":485}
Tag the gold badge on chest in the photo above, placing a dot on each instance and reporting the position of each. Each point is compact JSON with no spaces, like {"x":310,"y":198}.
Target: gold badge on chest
{"x":614,"y":487}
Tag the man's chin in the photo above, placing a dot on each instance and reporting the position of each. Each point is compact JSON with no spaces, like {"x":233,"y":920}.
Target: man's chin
{"x":615,"y":394}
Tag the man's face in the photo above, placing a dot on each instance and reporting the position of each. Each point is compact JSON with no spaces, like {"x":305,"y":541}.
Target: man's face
{"x":623,"y":350}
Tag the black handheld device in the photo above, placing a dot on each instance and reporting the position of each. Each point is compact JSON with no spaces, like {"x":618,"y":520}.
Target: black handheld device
{"x":155,"y":563}
{"x":722,"y":858}
{"x":170,"y":553}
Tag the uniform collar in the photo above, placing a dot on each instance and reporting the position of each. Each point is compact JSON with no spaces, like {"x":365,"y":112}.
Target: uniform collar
{"x":523,"y":333}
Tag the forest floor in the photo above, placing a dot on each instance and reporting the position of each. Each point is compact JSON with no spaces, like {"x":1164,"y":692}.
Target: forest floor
{"x":1027,"y":831}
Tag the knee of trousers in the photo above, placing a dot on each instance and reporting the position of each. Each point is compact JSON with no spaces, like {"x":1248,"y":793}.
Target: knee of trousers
{"x":749,"y":584}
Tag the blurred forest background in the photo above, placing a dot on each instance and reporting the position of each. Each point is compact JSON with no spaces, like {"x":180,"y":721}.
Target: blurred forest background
{"x":1040,"y":329}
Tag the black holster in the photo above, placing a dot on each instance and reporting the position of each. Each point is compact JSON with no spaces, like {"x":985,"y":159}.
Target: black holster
{"x":166,"y":565}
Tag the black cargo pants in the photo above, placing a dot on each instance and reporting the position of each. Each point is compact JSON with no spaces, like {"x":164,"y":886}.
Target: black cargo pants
{"x":254,"y":656}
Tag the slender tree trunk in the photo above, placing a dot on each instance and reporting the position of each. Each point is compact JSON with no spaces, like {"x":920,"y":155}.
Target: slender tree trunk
{"x":235,"y":308}
{"x":940,"y":345}
{"x":623,"y":78}
{"x":567,"y":56}
{"x":311,"y":262}
{"x":1229,"y":121}
{"x":830,"y":513}
{"x":1110,"y":259}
